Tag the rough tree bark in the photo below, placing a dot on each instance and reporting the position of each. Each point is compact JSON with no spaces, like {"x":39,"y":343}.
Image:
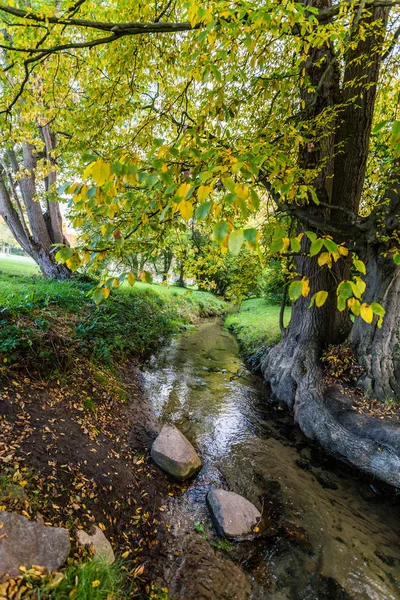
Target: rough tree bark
{"x":293,"y":367}
{"x":19,"y":197}
{"x":377,"y":348}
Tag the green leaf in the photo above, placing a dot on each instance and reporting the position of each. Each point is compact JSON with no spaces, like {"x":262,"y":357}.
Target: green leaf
{"x":396,"y":259}
{"x":250,"y":235}
{"x":311,"y":236}
{"x":203,"y":210}
{"x":254,"y":199}
{"x":314,"y":196}
{"x":98,"y":295}
{"x":378,"y":309}
{"x":345,"y":289}
{"x":276,"y":246}
{"x":64,"y":254}
{"x":236,"y":240}
{"x":295,"y":289}
{"x":316,"y":247}
{"x":330,"y":245}
{"x":229,"y":184}
{"x":360,"y":266}
{"x":341,"y":303}
{"x":295,"y":245}
{"x":221,"y":231}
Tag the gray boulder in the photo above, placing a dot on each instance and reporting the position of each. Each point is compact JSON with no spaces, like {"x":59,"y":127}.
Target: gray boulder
{"x":26,"y":543}
{"x":173,"y":453}
{"x":101,"y":546}
{"x":233,"y":515}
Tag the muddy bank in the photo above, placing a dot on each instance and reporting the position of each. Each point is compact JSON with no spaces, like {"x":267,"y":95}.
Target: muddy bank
{"x":77,"y":451}
{"x":328,"y":533}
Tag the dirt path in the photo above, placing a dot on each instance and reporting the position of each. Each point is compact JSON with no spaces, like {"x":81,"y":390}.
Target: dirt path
{"x":76,"y":453}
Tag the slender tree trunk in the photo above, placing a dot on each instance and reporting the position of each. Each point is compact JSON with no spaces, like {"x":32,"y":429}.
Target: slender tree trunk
{"x":37,"y":244}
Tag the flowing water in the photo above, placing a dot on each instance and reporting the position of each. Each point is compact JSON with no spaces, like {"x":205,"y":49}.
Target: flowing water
{"x":327,"y":532}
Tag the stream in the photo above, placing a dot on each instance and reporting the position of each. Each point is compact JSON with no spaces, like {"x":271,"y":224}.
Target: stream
{"x":328,"y":533}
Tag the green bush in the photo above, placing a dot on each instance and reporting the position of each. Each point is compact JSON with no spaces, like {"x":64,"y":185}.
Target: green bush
{"x":273,"y":282}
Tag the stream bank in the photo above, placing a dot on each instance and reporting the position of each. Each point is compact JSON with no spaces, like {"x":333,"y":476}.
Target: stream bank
{"x":328,"y":533}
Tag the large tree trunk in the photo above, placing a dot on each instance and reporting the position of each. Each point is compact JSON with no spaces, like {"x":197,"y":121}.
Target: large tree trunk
{"x":293,"y":370}
{"x":309,"y":332}
{"x":378,"y":348}
{"x":293,"y":367}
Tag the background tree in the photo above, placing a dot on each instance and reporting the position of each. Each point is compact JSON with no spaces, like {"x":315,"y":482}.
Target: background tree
{"x":28,"y":202}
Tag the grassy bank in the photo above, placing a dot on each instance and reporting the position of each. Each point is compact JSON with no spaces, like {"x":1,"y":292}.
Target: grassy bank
{"x":256,"y":324}
{"x":72,"y":448}
{"x":51,"y":323}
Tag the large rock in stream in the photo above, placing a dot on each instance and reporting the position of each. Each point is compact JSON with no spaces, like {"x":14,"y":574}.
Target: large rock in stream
{"x":173,"y":453}
{"x":26,"y":543}
{"x":233,"y":515}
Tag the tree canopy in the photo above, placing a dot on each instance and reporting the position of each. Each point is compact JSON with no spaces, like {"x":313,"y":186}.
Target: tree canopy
{"x":273,"y":127}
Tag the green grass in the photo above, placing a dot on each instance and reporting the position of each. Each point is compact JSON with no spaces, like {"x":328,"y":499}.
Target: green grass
{"x":256,"y":324}
{"x":18,"y":265}
{"x":89,"y":580}
{"x":50,"y":323}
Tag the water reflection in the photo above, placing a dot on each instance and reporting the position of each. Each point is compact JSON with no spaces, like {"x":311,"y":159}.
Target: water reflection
{"x":331,"y":536}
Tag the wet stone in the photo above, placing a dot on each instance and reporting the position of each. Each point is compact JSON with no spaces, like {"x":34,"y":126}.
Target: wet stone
{"x":233,"y":515}
{"x":173,"y":453}
{"x":26,"y":543}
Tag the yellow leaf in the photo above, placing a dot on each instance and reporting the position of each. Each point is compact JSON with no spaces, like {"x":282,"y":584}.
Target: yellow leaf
{"x":320,"y":298}
{"x":183,"y":190}
{"x":131,"y":278}
{"x":305,"y":290}
{"x":325,"y":259}
{"x":354,"y":306}
{"x":131,"y":178}
{"x":203,"y":191}
{"x":242,"y":191}
{"x":343,"y":251}
{"x":286,"y":243}
{"x":186,"y":209}
{"x":192,"y":14}
{"x":366,"y":313}
{"x":105,"y":292}
{"x":101,"y":526}
{"x":125,"y":554}
{"x":100,"y":172}
{"x":96,"y":583}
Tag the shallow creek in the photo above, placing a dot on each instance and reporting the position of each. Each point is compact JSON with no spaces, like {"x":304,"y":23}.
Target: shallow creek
{"x":327,"y":532}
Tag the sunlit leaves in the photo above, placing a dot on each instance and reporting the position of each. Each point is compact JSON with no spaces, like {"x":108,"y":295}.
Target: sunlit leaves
{"x":99,"y":171}
{"x":186,"y":209}
{"x":236,"y":240}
